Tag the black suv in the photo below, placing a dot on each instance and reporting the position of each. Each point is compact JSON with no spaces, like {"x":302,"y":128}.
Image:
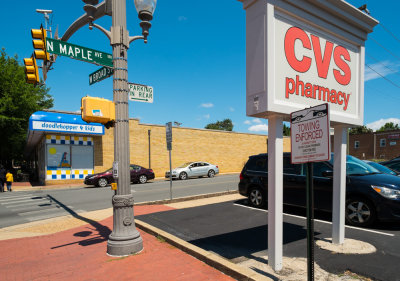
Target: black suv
{"x":370,"y":194}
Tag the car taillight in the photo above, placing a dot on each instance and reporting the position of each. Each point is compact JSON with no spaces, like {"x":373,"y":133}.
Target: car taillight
{"x":150,"y":170}
{"x":216,"y":166}
{"x":240,"y":176}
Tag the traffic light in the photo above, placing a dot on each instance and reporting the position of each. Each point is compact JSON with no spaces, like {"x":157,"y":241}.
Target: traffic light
{"x":40,"y":44}
{"x":98,"y":110}
{"x":31,"y":71}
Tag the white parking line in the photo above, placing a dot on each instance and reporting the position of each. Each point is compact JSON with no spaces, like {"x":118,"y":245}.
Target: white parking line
{"x":327,"y":222}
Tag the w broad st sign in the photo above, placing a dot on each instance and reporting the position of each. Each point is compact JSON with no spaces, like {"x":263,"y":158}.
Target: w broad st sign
{"x":309,"y":130}
{"x":140,"y":93}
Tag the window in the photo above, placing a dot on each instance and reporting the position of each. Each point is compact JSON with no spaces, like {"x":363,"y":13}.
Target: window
{"x":289,"y":168}
{"x":382,"y":142}
{"x":258,"y":164}
{"x":82,"y":157}
{"x":356,"y":144}
{"x":58,"y":157}
{"x":319,"y":168}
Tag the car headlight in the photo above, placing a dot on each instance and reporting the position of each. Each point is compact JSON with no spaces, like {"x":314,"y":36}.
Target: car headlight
{"x":387,"y":192}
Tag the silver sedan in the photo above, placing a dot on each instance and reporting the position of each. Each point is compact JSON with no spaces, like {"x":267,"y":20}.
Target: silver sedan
{"x":193,"y":169}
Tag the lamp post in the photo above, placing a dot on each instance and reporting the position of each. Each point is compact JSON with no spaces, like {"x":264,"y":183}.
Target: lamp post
{"x":124,"y":239}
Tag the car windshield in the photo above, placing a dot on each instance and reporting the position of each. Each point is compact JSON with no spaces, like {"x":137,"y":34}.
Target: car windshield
{"x":184,"y":165}
{"x":357,"y":167}
{"x":381,"y":168}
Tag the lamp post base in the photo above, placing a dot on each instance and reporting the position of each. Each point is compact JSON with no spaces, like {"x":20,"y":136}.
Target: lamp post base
{"x":127,"y":247}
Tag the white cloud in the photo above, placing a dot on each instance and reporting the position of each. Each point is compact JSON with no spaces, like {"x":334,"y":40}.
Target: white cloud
{"x":182,"y":18}
{"x":259,"y":128}
{"x":257,"y":121}
{"x":379,"y":123}
{"x":247,"y":122}
{"x":231,"y":109}
{"x":384,"y":68}
{"x":207,"y":116}
{"x":207,"y":105}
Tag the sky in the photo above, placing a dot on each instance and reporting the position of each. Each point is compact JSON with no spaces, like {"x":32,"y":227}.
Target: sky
{"x":195,"y":60}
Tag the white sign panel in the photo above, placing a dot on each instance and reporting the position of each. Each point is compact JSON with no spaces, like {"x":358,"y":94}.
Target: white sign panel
{"x":300,"y":65}
{"x":140,"y":93}
{"x":66,"y":127}
{"x":310,"y":138}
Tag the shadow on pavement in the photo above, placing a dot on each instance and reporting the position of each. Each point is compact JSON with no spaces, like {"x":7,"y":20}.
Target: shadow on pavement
{"x":98,"y":234}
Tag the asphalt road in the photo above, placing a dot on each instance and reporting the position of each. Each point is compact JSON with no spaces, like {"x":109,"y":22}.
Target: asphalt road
{"x":238,"y":233}
{"x":26,"y":206}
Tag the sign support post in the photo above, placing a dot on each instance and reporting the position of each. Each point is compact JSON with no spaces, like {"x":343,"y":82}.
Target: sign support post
{"x":168,"y":131}
{"x":275,"y":191}
{"x":339,"y":185}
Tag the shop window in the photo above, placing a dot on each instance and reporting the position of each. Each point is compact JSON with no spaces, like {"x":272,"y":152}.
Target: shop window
{"x":82,"y":157}
{"x":382,"y":142}
{"x":356,"y":144}
{"x":58,"y":157}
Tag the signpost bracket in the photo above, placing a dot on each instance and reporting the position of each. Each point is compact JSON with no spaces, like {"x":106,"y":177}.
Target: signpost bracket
{"x":102,"y":29}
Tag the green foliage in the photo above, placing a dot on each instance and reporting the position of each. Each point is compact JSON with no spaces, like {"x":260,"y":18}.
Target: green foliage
{"x":286,"y":130}
{"x":360,"y":130}
{"x":388,"y":127}
{"x":225,"y":125}
{"x":18,"y":100}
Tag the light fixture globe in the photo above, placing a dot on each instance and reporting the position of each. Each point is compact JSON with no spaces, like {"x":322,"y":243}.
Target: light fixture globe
{"x":145,"y":9}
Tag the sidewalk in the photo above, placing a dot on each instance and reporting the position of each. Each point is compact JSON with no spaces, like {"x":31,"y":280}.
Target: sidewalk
{"x":74,"y":248}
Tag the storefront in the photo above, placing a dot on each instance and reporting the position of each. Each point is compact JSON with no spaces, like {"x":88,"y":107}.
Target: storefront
{"x":62,"y":145}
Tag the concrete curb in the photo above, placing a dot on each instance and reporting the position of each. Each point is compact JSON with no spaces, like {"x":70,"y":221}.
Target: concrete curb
{"x":219,"y":263}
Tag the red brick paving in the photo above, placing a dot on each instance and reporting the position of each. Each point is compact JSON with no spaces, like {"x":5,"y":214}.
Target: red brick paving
{"x":80,"y":254}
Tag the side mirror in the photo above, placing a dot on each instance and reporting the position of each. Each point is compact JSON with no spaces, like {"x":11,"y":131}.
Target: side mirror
{"x":327,"y":174}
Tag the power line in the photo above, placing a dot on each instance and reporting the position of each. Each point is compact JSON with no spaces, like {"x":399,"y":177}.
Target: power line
{"x":392,"y":70}
{"x":397,"y":57}
{"x":390,"y":81}
{"x":388,"y":31}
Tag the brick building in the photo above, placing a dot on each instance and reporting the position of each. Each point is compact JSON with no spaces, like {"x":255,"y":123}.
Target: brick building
{"x":66,"y":149}
{"x":378,"y":145}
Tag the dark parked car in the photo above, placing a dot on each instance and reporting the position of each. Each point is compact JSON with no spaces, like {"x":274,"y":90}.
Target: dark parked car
{"x":382,"y":168}
{"x":370,"y":195}
{"x":138,"y":174}
{"x":393,"y":164}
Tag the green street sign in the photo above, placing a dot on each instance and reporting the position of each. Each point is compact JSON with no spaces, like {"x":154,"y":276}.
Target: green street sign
{"x":140,"y":93}
{"x":73,"y":51}
{"x":100,"y":74}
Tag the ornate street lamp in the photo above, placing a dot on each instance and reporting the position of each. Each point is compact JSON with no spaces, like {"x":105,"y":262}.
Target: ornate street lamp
{"x":145,"y":9}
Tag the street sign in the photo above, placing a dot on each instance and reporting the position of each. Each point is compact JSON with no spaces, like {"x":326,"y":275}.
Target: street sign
{"x":168,"y":130}
{"x":100,"y":74}
{"x":73,"y":51}
{"x":140,"y":93}
{"x":115,"y":170}
{"x":310,"y":137}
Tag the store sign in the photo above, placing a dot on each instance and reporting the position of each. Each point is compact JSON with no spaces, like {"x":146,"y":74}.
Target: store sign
{"x":66,"y":127}
{"x":306,"y":66}
{"x":309,"y":131}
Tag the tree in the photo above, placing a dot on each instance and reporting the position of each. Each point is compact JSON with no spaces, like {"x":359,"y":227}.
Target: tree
{"x":225,"y":125}
{"x":360,"y":130}
{"x":388,"y":127}
{"x":286,"y":130}
{"x":18,"y":100}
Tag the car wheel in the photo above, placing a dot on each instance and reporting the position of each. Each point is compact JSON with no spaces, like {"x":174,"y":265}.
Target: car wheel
{"x":183,"y":176}
{"x":360,"y":212}
{"x":102,"y":182}
{"x":211,"y":173}
{"x":256,"y":197}
{"x":143,"y":179}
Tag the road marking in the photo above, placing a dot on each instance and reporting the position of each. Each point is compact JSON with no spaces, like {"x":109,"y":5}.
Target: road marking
{"x":25,"y":201}
{"x":13,"y":198}
{"x":326,"y":222}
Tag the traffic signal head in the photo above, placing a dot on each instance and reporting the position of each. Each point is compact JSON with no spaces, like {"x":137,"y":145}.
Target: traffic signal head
{"x":40,"y":44}
{"x":31,"y":71}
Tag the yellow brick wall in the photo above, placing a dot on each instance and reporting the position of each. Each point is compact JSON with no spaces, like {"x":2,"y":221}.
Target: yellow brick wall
{"x":228,"y":150}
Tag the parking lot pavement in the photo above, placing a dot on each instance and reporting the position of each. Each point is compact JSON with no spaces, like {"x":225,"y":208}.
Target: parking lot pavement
{"x":240,"y":233}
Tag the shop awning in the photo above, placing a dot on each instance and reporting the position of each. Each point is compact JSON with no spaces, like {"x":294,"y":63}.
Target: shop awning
{"x":70,"y":123}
